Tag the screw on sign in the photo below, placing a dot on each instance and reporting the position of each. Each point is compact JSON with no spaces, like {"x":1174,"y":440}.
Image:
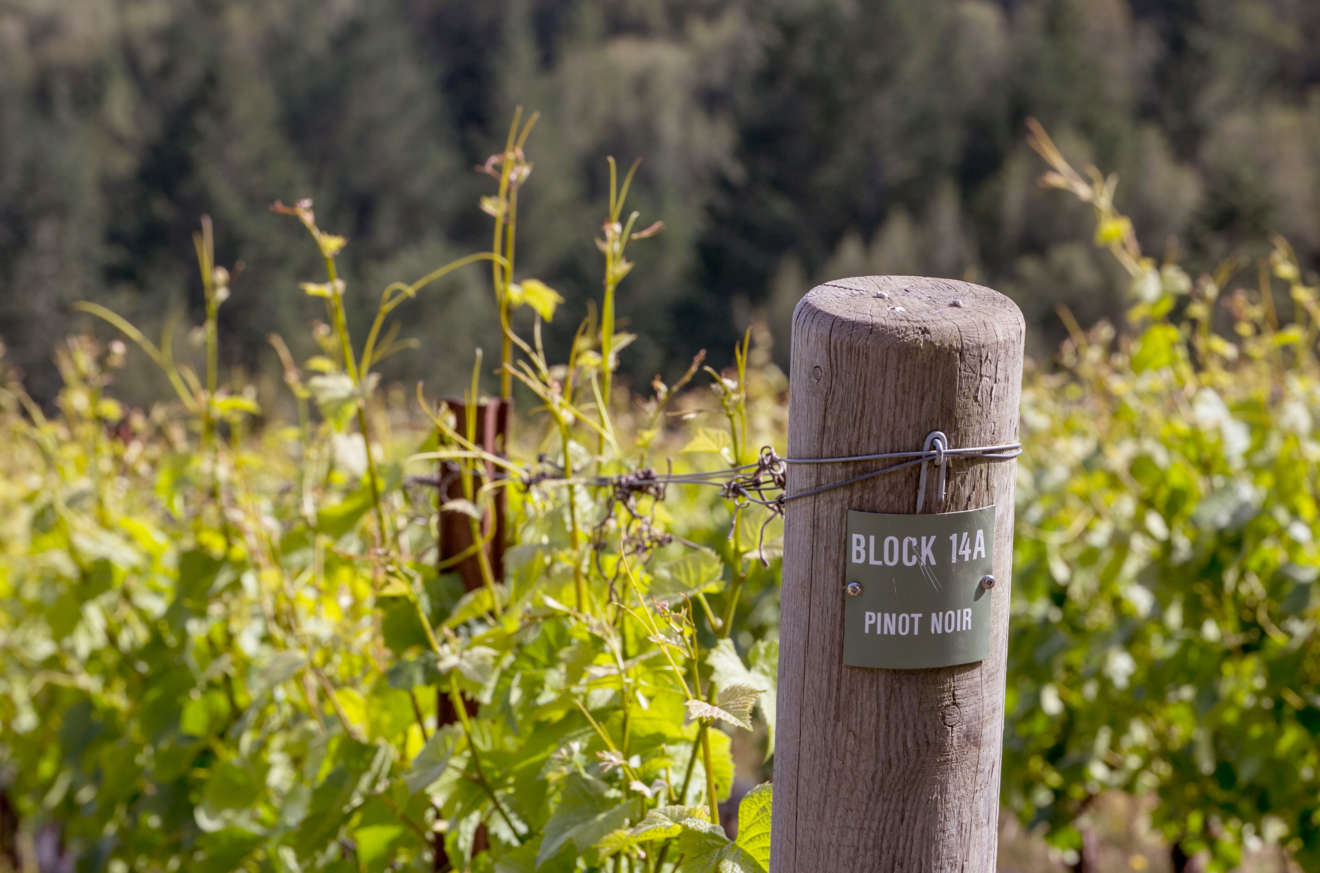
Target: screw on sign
{"x":891,"y":691}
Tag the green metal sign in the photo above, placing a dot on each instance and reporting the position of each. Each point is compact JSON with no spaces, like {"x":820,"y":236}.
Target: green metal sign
{"x":918,"y":589}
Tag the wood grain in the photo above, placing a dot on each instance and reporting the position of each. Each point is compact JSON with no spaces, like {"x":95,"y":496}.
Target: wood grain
{"x":890,"y":770}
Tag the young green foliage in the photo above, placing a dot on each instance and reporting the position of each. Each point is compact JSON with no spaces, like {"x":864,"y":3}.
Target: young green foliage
{"x":227,"y":642}
{"x":258,"y":613}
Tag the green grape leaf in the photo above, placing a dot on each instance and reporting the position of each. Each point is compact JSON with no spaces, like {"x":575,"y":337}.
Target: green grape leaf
{"x":727,"y":666}
{"x":275,"y":670}
{"x":586,"y":811}
{"x":727,"y":669}
{"x":407,"y":673}
{"x":661,"y":823}
{"x":225,"y":850}
{"x":230,"y":786}
{"x":706,"y":849}
{"x":374,"y":843}
{"x":764,"y":661}
{"x":335,"y":395}
{"x":733,"y":706}
{"x":1158,"y":348}
{"x":338,"y":519}
{"x":536,"y":294}
{"x":710,"y":440}
{"x":400,"y":626}
{"x":754,"y":824}
{"x":475,"y":663}
{"x":681,"y":572}
{"x":434,"y":759}
{"x":358,"y":770}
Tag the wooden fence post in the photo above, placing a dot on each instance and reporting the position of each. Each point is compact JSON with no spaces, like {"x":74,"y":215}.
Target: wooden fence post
{"x":890,"y":770}
{"x":453,"y":530}
{"x":454,"y":537}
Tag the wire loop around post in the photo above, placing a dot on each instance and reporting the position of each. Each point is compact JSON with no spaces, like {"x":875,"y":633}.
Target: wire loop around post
{"x":936,"y":443}
{"x":935,"y":450}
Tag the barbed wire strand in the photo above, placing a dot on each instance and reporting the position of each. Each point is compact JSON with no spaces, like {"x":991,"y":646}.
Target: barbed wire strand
{"x":763,"y":482}
{"x":748,"y":483}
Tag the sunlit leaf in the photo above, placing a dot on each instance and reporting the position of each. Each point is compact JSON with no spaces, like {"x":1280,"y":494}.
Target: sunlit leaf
{"x":541,"y":297}
{"x":754,"y":824}
{"x":733,"y":706}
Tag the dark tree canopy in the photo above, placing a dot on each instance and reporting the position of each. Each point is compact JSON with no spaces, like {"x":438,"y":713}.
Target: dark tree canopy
{"x":784,"y":141}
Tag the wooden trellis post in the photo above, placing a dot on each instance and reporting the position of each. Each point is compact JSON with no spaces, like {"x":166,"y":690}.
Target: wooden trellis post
{"x":454,"y":538}
{"x":895,"y":768}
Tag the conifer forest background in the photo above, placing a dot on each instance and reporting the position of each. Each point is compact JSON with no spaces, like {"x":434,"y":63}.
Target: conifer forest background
{"x":783,"y":142}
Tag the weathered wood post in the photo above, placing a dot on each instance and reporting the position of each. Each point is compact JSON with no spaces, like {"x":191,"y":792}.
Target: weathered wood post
{"x":454,"y":537}
{"x":881,"y":769}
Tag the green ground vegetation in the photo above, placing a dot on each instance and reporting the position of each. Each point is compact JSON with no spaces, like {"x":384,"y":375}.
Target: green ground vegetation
{"x":227,"y":641}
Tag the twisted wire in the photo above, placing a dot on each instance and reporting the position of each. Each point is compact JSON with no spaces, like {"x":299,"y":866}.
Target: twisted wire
{"x":764,"y":481}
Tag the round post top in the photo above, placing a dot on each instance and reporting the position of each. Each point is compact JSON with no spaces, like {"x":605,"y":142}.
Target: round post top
{"x":912,"y":308}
